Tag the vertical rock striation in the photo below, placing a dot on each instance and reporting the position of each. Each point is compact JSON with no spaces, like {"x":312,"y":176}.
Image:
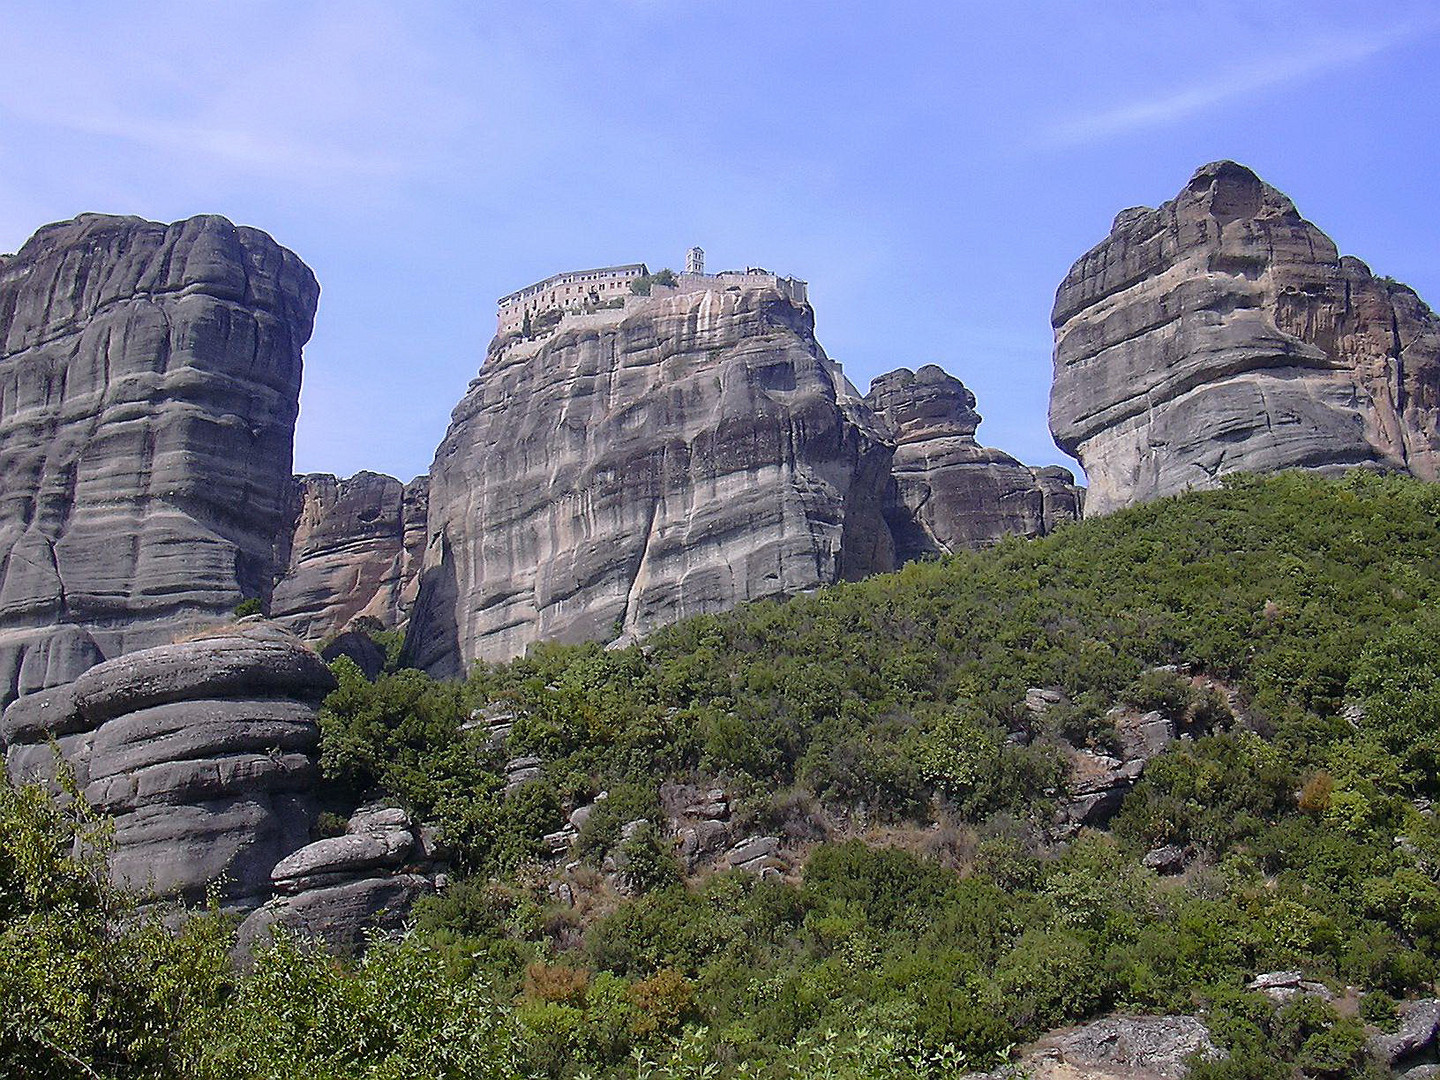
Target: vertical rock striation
{"x":149,"y":384}
{"x":641,"y":465}
{"x":356,"y":549}
{"x":947,"y":491}
{"x":1222,"y":333}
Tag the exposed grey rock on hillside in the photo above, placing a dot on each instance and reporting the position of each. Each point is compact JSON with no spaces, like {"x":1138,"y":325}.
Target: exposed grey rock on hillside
{"x":639,"y":466}
{"x":203,"y":752}
{"x":338,"y":889}
{"x":1419,"y":1029}
{"x":1113,"y":1048}
{"x":149,"y":384}
{"x":1223,"y":332}
{"x":1123,"y":1048}
{"x":356,"y":549}
{"x":947,"y":491}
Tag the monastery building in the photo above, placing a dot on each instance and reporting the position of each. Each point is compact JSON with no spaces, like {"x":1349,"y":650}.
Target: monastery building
{"x":584,"y":291}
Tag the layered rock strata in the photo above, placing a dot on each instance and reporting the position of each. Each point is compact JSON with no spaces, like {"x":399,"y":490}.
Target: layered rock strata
{"x":641,"y":465}
{"x":947,"y":492}
{"x":203,"y":752}
{"x":1222,"y":332}
{"x":356,"y":549}
{"x":149,"y":384}
{"x":338,"y":889}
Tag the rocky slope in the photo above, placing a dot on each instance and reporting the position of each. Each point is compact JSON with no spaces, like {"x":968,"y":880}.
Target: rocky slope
{"x":1223,"y":332}
{"x":149,"y":384}
{"x":203,"y":752}
{"x":355,"y":549}
{"x":639,"y":466}
{"x":948,"y":492}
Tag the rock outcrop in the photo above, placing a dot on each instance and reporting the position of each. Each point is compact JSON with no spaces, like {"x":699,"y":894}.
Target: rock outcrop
{"x":699,"y":820}
{"x":338,"y":889}
{"x":1222,"y":333}
{"x":1283,"y":986}
{"x":1122,"y":1048}
{"x":1096,"y":783}
{"x":948,"y":492}
{"x":355,"y":549}
{"x":149,"y":384}
{"x":203,"y":752}
{"x":1416,"y":1036}
{"x":644,"y":464}
{"x":756,"y":855}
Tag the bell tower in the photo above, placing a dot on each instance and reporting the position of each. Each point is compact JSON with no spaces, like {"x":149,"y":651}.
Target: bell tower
{"x":695,"y":261}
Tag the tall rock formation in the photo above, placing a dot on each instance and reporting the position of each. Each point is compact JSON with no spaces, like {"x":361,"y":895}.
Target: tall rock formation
{"x":356,"y":549}
{"x":948,"y":492}
{"x":1223,"y":332}
{"x":203,"y":752}
{"x":643,"y":464}
{"x":149,"y":384}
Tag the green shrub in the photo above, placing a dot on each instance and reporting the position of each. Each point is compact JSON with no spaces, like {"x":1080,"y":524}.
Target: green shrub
{"x":647,"y":860}
{"x":1162,"y":690}
{"x":1051,"y":978}
{"x":623,"y":804}
{"x":890,"y":887}
{"x":1396,"y":681}
{"x":1379,"y":1008}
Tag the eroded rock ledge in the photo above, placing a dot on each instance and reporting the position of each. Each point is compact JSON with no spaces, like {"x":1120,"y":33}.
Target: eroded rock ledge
{"x":204,"y":753}
{"x":1222,"y":332}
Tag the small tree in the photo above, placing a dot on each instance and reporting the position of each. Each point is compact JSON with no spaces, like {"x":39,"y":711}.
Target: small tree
{"x":641,"y":286}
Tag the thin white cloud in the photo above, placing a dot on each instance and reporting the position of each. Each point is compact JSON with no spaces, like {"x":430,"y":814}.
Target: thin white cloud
{"x":1314,"y":58}
{"x":325,"y":96}
{"x":252,"y":150}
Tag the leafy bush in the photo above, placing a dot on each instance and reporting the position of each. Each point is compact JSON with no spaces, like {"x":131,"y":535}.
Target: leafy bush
{"x":1396,"y":682}
{"x":647,"y":860}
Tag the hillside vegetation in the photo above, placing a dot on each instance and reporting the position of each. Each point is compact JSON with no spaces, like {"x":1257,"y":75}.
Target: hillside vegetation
{"x":880,"y":729}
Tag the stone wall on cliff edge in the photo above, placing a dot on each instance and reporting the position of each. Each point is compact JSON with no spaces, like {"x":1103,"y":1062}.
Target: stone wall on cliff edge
{"x":682,"y":458}
{"x":1222,"y":332}
{"x":149,"y":385}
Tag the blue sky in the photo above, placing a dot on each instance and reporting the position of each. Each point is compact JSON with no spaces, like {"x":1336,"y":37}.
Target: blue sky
{"x":931,"y":168}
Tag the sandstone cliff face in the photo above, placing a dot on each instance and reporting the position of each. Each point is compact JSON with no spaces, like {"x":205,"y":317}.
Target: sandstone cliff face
{"x":947,"y":491}
{"x":638,"y":467}
{"x":149,"y":381}
{"x":203,"y":752}
{"x":1223,"y":333}
{"x":356,"y":549}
